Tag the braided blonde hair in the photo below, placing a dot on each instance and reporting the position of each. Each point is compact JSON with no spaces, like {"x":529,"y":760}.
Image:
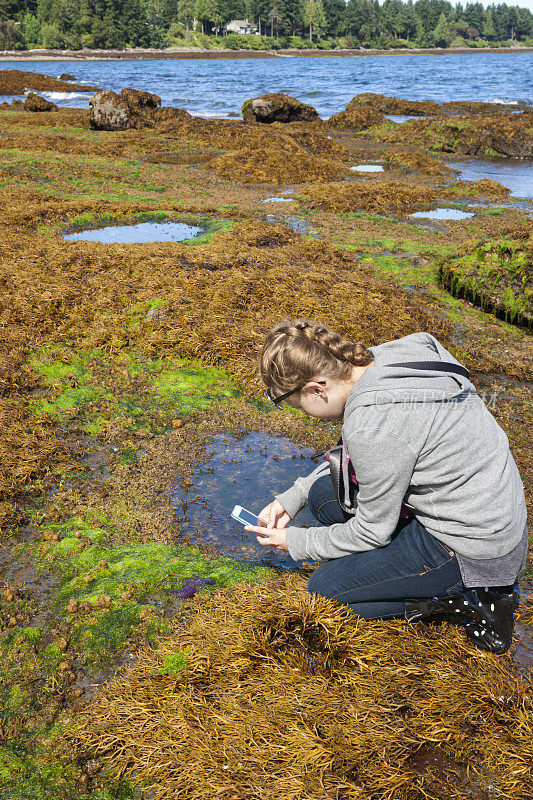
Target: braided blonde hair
{"x":295,"y":351}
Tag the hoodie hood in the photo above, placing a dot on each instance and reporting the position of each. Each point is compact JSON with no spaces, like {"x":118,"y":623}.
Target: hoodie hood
{"x":382,"y":383}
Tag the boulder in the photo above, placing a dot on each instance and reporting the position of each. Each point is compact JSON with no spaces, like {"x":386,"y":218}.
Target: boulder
{"x":66,"y":76}
{"x":35,"y":102}
{"x":278,"y":108}
{"x":131,"y":108}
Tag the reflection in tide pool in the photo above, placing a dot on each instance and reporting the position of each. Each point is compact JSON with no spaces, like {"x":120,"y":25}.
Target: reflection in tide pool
{"x":246,"y":471}
{"x":443,"y":213}
{"x":137,"y":234}
{"x":515,"y":174}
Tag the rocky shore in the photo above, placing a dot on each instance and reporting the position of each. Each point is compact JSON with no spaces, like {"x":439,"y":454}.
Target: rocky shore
{"x":129,"y":645}
{"x":178,"y":53}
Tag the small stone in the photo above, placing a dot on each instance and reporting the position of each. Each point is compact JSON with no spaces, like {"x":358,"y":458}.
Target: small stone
{"x":11,"y":621}
{"x":72,"y":606}
{"x":103,"y":565}
{"x":8,"y":595}
{"x":177,"y":423}
{"x":87,"y":578}
{"x":64,"y":666}
{"x":62,"y":644}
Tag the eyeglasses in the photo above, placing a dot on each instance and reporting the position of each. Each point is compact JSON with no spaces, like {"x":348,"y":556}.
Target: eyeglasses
{"x":277,"y":401}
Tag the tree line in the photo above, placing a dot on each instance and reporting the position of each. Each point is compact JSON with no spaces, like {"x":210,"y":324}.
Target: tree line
{"x":76,"y":24}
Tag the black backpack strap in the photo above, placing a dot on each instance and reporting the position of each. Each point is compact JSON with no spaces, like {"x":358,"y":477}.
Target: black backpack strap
{"x":335,"y":471}
{"x":439,"y":366}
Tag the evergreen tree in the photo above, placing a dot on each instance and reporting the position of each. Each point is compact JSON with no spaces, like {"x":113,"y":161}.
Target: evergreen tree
{"x":441,"y":34}
{"x":410,"y":19}
{"x":314,"y":17}
{"x":335,"y":13}
{"x":185,"y":13}
{"x":489,"y":32}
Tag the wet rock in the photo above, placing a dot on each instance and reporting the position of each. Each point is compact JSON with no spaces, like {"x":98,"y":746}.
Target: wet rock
{"x":119,"y":112}
{"x":66,"y":76}
{"x":278,"y":108}
{"x":34,"y":102}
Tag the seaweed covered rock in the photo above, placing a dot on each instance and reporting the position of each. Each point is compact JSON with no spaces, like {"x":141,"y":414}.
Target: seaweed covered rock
{"x":66,"y":76}
{"x":468,"y":135}
{"x":397,"y":105}
{"x":131,"y":108}
{"x":278,"y":108}
{"x":394,"y":105}
{"x":266,"y":691}
{"x":356,"y":117}
{"x":415,"y":162}
{"x":496,"y":274}
{"x":371,"y":195}
{"x":35,"y":102}
{"x":279,"y":158}
{"x":16,"y":81}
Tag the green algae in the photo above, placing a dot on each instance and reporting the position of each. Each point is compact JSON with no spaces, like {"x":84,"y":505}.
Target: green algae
{"x":122,"y":576}
{"x":26,"y":776}
{"x":170,"y":387}
{"x":174,"y":663}
{"x":494,"y":274}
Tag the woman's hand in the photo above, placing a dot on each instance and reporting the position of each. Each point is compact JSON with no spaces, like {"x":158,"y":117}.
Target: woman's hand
{"x":276,"y":537}
{"x":271,"y":531}
{"x":274,"y":515}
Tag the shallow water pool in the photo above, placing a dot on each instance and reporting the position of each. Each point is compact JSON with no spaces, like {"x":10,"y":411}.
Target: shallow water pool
{"x":515,"y":174}
{"x":367,"y":168}
{"x":399,"y":118}
{"x":140,"y":233}
{"x":242,"y":470}
{"x":443,"y":213}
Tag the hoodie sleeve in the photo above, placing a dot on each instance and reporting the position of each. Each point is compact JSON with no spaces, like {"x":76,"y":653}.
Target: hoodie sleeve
{"x":295,"y":497}
{"x":384,"y":464}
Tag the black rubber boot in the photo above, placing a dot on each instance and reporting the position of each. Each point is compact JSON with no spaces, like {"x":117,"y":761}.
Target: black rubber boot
{"x":486,"y":614}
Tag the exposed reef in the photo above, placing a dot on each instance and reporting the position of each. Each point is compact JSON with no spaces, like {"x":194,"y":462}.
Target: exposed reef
{"x":467,"y":135}
{"x":122,"y":364}
{"x":16,"y":81}
{"x":396,"y":105}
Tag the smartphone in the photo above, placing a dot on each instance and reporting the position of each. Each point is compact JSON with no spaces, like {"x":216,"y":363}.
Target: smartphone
{"x":245,"y":517}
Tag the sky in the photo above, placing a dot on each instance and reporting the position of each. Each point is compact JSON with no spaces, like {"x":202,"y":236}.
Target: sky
{"x":521,"y":3}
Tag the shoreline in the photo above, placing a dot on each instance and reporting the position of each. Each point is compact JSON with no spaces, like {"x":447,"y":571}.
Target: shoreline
{"x":149,"y":54}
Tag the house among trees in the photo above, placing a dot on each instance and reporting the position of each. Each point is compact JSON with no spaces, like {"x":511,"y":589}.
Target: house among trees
{"x":241,"y":26}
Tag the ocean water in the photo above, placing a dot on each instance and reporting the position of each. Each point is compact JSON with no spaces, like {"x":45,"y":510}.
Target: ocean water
{"x":218,"y":87}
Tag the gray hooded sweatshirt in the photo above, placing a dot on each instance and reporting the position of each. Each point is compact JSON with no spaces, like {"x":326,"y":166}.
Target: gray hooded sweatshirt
{"x":426,"y":439}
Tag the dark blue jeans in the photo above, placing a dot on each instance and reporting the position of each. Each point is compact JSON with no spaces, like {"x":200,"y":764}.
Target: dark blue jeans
{"x":375,"y":583}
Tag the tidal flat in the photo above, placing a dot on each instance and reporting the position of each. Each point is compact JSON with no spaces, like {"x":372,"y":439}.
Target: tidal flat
{"x":120,"y":366}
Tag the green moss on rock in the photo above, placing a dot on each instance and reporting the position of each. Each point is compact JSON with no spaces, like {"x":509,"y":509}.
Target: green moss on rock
{"x":495,"y":274}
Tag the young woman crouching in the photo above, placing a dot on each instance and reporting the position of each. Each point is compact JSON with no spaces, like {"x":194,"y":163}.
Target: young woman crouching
{"x":429,"y":515}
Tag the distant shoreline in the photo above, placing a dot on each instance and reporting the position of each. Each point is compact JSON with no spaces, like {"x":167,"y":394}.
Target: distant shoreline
{"x":182,"y":53}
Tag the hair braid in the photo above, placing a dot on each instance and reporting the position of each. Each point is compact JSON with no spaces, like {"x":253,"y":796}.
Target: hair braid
{"x":296,"y":350}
